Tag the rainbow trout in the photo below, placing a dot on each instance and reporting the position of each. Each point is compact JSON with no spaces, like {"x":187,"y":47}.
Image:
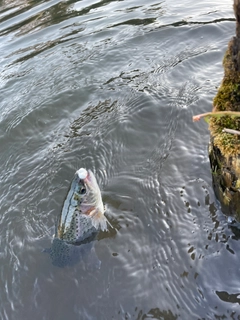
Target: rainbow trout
{"x":81,"y":218}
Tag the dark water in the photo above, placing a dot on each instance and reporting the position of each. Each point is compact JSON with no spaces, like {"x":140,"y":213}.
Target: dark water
{"x":112,"y":86}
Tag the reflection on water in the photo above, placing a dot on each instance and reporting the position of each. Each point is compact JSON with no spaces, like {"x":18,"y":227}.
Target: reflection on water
{"x":112,"y":86}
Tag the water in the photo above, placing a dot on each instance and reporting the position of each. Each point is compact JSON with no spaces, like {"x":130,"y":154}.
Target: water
{"x":112,"y":86}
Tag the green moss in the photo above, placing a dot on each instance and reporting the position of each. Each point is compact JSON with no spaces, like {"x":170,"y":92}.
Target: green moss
{"x":228,"y":96}
{"x":237,"y":184}
{"x":226,"y":199}
{"x":227,"y":99}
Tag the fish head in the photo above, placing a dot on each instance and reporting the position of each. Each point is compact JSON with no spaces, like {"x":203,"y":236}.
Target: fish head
{"x":92,"y":196}
{"x":92,"y":204}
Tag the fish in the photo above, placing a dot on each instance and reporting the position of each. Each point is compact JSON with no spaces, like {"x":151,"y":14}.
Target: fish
{"x":83,"y":210}
{"x":82,"y":217}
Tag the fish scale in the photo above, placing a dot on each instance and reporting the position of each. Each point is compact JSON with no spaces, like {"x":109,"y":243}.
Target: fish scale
{"x":80,"y":228}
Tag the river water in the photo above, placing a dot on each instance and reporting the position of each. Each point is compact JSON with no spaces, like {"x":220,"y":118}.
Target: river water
{"x":112,"y":86}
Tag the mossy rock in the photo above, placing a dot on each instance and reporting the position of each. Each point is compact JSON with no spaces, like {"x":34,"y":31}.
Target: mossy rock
{"x":226,"y":181}
{"x":227,"y":99}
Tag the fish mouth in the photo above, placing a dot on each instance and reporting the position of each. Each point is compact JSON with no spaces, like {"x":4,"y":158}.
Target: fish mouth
{"x":90,"y":180}
{"x":82,"y":173}
{"x":84,"y":177}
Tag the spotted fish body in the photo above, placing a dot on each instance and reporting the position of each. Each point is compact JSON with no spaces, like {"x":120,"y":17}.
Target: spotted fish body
{"x":81,"y":218}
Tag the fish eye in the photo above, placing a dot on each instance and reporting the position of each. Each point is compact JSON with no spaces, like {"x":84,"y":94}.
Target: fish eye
{"x":82,"y":190}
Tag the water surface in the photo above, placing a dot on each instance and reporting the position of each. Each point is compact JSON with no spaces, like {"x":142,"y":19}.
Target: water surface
{"x":112,"y":86}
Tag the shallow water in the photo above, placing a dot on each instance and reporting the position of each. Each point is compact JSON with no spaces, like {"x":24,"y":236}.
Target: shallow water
{"x":112,"y":86}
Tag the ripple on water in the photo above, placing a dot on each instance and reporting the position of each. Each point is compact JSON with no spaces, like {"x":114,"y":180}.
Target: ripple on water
{"x":112,"y":86}
{"x":103,"y":139}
